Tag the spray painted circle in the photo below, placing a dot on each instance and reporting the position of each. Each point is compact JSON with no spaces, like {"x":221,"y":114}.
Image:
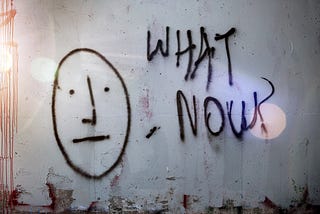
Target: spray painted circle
{"x":91,"y":113}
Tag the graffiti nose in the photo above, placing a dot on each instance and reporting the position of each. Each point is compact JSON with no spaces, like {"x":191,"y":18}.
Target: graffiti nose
{"x":91,"y":120}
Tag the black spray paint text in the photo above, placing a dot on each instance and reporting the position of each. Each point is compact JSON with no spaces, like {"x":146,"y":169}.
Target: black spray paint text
{"x":206,"y":51}
{"x":193,"y":120}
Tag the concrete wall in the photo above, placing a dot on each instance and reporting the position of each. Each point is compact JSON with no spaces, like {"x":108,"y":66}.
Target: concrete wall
{"x":103,"y":127}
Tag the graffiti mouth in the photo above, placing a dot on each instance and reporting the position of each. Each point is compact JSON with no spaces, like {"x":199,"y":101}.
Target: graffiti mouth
{"x":91,"y":139}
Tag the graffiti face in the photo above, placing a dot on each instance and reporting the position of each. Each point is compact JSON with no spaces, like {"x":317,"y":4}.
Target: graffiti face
{"x":90,"y":112}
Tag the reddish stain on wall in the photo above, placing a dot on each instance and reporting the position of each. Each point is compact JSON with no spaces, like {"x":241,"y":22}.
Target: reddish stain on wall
{"x":268,"y":203}
{"x":145,"y":104}
{"x":14,"y":198}
{"x":92,"y":206}
{"x":115,"y":181}
{"x":52,"y":196}
{"x":185,"y":201}
{"x":8,"y":104}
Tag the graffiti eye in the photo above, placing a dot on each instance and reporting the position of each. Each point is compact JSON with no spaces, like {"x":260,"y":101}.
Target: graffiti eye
{"x":71,"y":92}
{"x":106,"y":89}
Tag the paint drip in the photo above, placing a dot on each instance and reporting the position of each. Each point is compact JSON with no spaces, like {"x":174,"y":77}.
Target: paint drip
{"x":8,"y":101}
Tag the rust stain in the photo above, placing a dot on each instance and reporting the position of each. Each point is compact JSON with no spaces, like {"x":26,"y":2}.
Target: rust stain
{"x":145,"y":104}
{"x":92,"y":206}
{"x":8,"y":103}
{"x":185,"y":201}
{"x":115,"y":181}
{"x":15,"y":195}
{"x":268,"y":203}
{"x":52,"y":196}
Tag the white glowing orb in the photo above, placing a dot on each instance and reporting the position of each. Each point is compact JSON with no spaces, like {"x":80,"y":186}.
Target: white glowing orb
{"x":43,"y":69}
{"x":274,"y":120}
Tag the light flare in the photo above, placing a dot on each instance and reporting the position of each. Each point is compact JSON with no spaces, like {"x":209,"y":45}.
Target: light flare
{"x":272,"y":123}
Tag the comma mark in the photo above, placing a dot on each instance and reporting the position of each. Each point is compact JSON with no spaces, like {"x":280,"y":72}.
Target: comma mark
{"x":152,"y":131}
{"x":106,"y":89}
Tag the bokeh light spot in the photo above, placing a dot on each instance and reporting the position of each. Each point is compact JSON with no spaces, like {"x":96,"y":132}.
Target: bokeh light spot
{"x":273,"y":124}
{"x":43,"y":69}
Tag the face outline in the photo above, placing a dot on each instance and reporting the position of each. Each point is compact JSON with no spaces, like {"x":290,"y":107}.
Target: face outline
{"x":91,"y":120}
